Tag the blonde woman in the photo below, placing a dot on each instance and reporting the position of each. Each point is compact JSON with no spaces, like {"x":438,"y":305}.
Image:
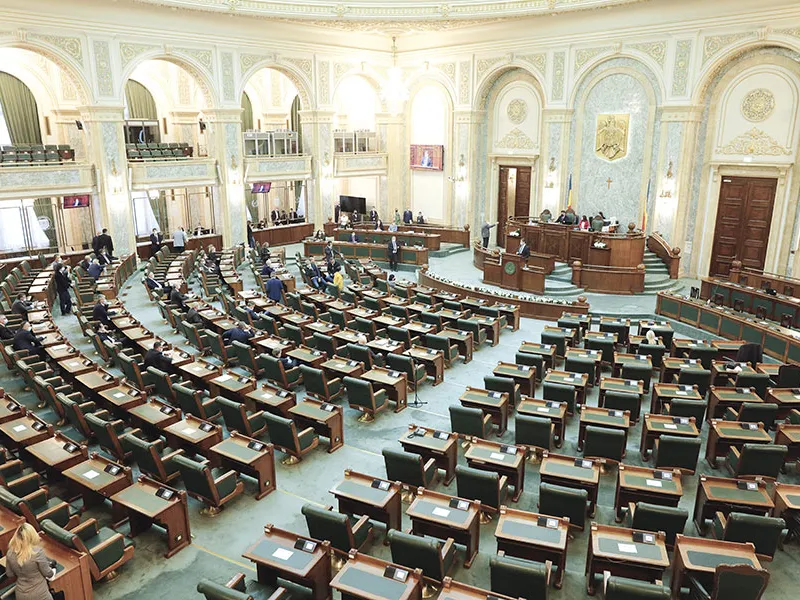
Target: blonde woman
{"x":26,"y":561}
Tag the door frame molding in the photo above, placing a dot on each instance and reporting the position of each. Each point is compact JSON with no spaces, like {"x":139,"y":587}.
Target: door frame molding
{"x":780,"y":207}
{"x":512,"y":160}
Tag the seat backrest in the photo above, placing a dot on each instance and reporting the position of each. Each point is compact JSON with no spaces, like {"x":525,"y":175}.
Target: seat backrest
{"x":325,"y":343}
{"x":162,"y":383}
{"x":560,"y":501}
{"x":757,"y":381}
{"x":106,"y":436}
{"x":399,"y":334}
{"x":471,"y":326}
{"x":683,"y":407}
{"x":655,"y":517}
{"x":187,"y":400}
{"x":532,"y":360}
{"x":518,"y":578}
{"x":533,"y":431}
{"x":337,"y":317}
{"x":399,"y":311}
{"x":403,"y":466}
{"x":402,"y":363}
{"x":788,"y":376}
{"x":654,"y":351}
{"x":359,"y":392}
{"x":146,"y":455}
{"x":478,"y":485}
{"x":328,"y":525}
{"x":759,"y":412}
{"x":694,"y":376}
{"x":59,"y":534}
{"x":281,"y":431}
{"x":742,"y":582}
{"x":761,"y":459}
{"x":466,"y":420}
{"x":232,"y":414}
{"x":415,"y":552}
{"x":704,"y":355}
{"x":764,"y":532}
{"x":295,"y":334}
{"x":438,"y":342}
{"x":273,"y":368}
{"x":244,"y":354}
{"x":678,"y":451}
{"x":314,"y":381}
{"x":196,"y":477}
{"x":361,"y":354}
{"x":749,"y":353}
{"x":622,"y":588}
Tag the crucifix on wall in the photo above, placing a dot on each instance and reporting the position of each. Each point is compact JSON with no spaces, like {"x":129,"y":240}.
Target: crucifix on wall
{"x":609,"y":181}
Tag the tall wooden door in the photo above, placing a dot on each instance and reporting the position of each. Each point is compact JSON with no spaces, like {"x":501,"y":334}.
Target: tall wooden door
{"x":522,"y":196}
{"x":522,"y":201}
{"x":502,"y":205}
{"x":743,"y":222}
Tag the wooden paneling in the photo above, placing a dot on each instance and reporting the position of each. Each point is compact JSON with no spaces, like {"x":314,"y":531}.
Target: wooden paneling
{"x":502,"y":203}
{"x":609,"y":280}
{"x":744,"y":214}
{"x":670,"y":256}
{"x":522,"y":200}
{"x":280,"y":235}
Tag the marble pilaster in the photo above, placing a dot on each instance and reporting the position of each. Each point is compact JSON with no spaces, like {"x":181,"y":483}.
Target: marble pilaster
{"x":317,"y":130}
{"x":391,"y":140}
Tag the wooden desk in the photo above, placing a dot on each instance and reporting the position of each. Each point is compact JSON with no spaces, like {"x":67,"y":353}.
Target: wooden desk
{"x":26,"y":430}
{"x":789,"y":436}
{"x":341,"y":367}
{"x":154,"y":415}
{"x":622,"y":360}
{"x":702,"y":556}
{"x":579,"y":381}
{"x":270,"y":343}
{"x":411,"y":255}
{"x":682,"y":347}
{"x":324,"y":418}
{"x":10,"y":409}
{"x":721,"y":398}
{"x":271,"y":399}
{"x":673,"y":365}
{"x":563,"y":470}
{"x":59,"y":352}
{"x":722,"y":435}
{"x":57,"y":453}
{"x":787,"y":399}
{"x":524,"y":375}
{"x":654,"y":426}
{"x":407,"y":236}
{"x":365,"y":578}
{"x":728,"y":348}
{"x":441,"y":446}
{"x":615,"y":550}
{"x":76,"y":365}
{"x":724,"y":373}
{"x":379,"y":499}
{"x":503,"y":459}
{"x":666,"y":391}
{"x":603,"y":417}
{"x":308,"y":356}
{"x":752,"y":299}
{"x":99,"y":478}
{"x":432,"y":360}
{"x":431,"y":514}
{"x":535,"y":537}
{"x":385,"y":346}
{"x":724,"y":495}
{"x":232,"y":385}
{"x":394,"y":382}
{"x":200,"y":371}
{"x":491,"y":325}
{"x":550,"y":409}
{"x":143,"y":507}
{"x":546,"y":351}
{"x":122,"y":397}
{"x":250,"y":457}
{"x":596,"y":356}
{"x":455,"y":590}
{"x":463,"y":340}
{"x":495,"y":404}
{"x":280,"y":235}
{"x":581,"y":322}
{"x":415,"y":328}
{"x":194,"y":435}
{"x":787,"y":501}
{"x":275,"y":555}
{"x":771,"y":369}
{"x":643,"y":484}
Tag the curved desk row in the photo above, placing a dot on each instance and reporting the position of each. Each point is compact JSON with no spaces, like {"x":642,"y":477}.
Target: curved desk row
{"x":410,"y":255}
{"x":788,"y":286}
{"x":752,"y":299}
{"x":199,"y":242}
{"x":280,"y":235}
{"x":778,"y":342}
{"x":410,"y":238}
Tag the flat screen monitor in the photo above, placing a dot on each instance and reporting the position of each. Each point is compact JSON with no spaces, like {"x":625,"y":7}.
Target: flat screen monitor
{"x":353,"y":203}
{"x":427,"y":158}
{"x":76,"y":201}
{"x":261,"y":187}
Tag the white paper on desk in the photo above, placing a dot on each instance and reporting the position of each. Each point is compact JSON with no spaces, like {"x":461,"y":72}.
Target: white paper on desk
{"x":653,"y":482}
{"x":19,"y":428}
{"x":282,"y":554}
{"x":542,"y":409}
{"x":670,"y":426}
{"x":681,"y":393}
{"x":59,"y":347}
{"x":74,"y":363}
{"x":119,"y":395}
{"x":189,"y":430}
{"x":222,"y":378}
{"x":441,"y":512}
{"x":266,"y":395}
{"x":496,"y":456}
{"x":91,"y":474}
{"x":628,"y":548}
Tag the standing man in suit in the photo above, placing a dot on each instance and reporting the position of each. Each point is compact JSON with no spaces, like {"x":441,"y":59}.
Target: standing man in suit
{"x":251,"y":239}
{"x":408,"y":216}
{"x":328,"y":251}
{"x":275,"y":288}
{"x":156,"y":239}
{"x":6,"y":332}
{"x":62,"y":287}
{"x":179,"y":240}
{"x":354,"y":238}
{"x":96,"y":243}
{"x":104,"y":241}
{"x":524,"y":250}
{"x":274,"y":216}
{"x":22,"y":306}
{"x":373,"y":215}
{"x":486,"y":230}
{"x":24,"y":339}
{"x":100,"y":311}
{"x":393,"y":251}
{"x":156,"y":358}
{"x":355,"y":217}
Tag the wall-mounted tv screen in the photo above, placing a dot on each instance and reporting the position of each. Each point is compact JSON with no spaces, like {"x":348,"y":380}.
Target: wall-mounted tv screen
{"x":261,"y":187}
{"x":352,"y":204}
{"x":76,"y":201}
{"x":427,"y":158}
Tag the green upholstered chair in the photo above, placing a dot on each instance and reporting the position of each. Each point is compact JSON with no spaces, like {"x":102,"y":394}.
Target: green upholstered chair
{"x":319,"y":386}
{"x":638,"y":373}
{"x":621,"y":329}
{"x":216,"y":344}
{"x":416,"y":552}
{"x":623,"y":401}
{"x":557,"y":339}
{"x":518,"y":578}
{"x":238,"y":588}
{"x":163,"y":384}
{"x":295,"y":335}
{"x":399,"y":311}
{"x":284,"y":436}
{"x":362,"y":354}
{"x":788,"y":376}
{"x":494,"y":313}
{"x":605,"y":347}
{"x":764,"y":460}
{"x":754,"y":412}
{"x":153,"y":459}
{"x":452,"y":305}
{"x":604,"y":442}
{"x":495,"y":383}
{"x":195,"y":336}
{"x":19,"y":479}
{"x":399,"y":334}
{"x":425,"y":299}
{"x":695,"y":376}
{"x":276,"y":373}
{"x":439,"y":342}
{"x":76,"y":407}
{"x":531,"y":360}
{"x":742,"y":582}
{"x":489,"y":487}
{"x":535,"y":433}
{"x":46,"y":390}
{"x":213,"y":487}
{"x":107,"y":550}
{"x":338,"y":317}
{"x":367,"y":327}
{"x":342,"y":531}
{"x":704,"y":355}
{"x":758,"y":381}
{"x":478,"y":333}
{"x":560,"y":501}
{"x":765,"y":533}
{"x":372,"y":304}
{"x":686,"y":407}
{"x":247,"y":358}
{"x":622,"y":588}
{"x":414,"y":371}
{"x":38,"y":506}
{"x":109,"y":433}
{"x":293,"y":300}
{"x":673,"y":451}
{"x":656,"y":353}
{"x":644,"y":516}
{"x":560,"y":393}
{"x":238,"y":418}
{"x":582,"y":365}
{"x":409,"y":469}
{"x":196,"y":402}
{"x":470,"y":422}
{"x":362,"y":397}
{"x":311,"y":310}
{"x":328,"y":345}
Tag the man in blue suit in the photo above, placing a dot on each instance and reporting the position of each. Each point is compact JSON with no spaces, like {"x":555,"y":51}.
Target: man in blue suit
{"x":240,"y":333}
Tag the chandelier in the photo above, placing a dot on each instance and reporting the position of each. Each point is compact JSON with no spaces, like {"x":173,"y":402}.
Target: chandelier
{"x":394,"y":92}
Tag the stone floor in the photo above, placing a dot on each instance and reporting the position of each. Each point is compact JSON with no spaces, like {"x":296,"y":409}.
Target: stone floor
{"x":218,"y":543}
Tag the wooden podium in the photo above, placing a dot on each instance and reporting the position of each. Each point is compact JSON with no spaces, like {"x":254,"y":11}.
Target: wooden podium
{"x":511,"y":269}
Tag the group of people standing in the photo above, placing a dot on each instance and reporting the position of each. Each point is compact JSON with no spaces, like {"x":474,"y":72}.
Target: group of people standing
{"x":179,"y":238}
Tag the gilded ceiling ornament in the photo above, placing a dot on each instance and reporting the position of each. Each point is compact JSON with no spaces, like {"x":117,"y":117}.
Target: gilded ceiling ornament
{"x":758,"y":105}
{"x":516,"y":139}
{"x":517,"y":110}
{"x":715,"y":44}
{"x":611,"y":138}
{"x":754,"y":143}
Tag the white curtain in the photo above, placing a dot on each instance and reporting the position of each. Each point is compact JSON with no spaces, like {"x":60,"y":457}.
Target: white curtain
{"x":301,"y":203}
{"x":5,"y":136}
{"x":145,"y":217}
{"x":12,"y":228}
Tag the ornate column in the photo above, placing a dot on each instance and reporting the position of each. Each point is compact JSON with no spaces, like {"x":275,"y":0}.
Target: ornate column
{"x":317,"y":129}
{"x":555,"y":158}
{"x":105,"y":145}
{"x":466,"y":131}
{"x":391,"y":130}
{"x":67,"y":131}
{"x":184,"y":127}
{"x":225,"y":144}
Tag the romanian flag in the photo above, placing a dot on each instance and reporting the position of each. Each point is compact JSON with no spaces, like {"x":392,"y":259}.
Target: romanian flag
{"x":569,"y":192}
{"x":644,"y":211}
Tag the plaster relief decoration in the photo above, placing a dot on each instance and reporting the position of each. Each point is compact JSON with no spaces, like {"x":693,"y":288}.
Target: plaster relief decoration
{"x":754,"y":143}
{"x":680,"y":76}
{"x":449,"y":69}
{"x":463,"y":84}
{"x":655,"y":50}
{"x":70,"y":45}
{"x":128,"y":52}
{"x":715,"y":44}
{"x":611,"y":138}
{"x":517,"y":110}
{"x":758,"y":105}
{"x":201,"y":56}
{"x":558,"y":76}
{"x":516,"y":140}
{"x":584,"y":56}
{"x":303,"y":64}
{"x":323,"y":79}
{"x":485,"y":64}
{"x":227,"y":79}
{"x":102,"y":67}
{"x":537,"y":61}
{"x":339,"y":70}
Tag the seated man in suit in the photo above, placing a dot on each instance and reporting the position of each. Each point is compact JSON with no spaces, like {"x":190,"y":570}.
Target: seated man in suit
{"x":293,"y":218}
{"x":284,"y":218}
{"x":95,"y":269}
{"x":420,"y":218}
{"x":265,"y":253}
{"x":288,"y":362}
{"x":393,"y":252}
{"x":266,"y":270}
{"x":24,"y":339}
{"x":176,"y":298}
{"x":274,"y":216}
{"x":22,"y":306}
{"x":155,"y":357}
{"x":193,"y":317}
{"x":524,"y":250}
{"x":6,"y":332}
{"x":275,"y":288}
{"x":105,"y":335}
{"x":241,"y":333}
{"x":353,"y":238}
{"x":100,"y":311}
{"x":152,"y":283}
{"x":84,"y":263}
{"x":104,"y":259}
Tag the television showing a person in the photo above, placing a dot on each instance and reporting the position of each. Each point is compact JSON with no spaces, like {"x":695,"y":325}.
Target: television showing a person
{"x":426,"y":161}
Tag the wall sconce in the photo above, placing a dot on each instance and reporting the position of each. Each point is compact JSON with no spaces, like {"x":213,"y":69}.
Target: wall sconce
{"x":668,"y":184}
{"x":234,"y":164}
{"x":550,"y":178}
{"x":461,"y":171}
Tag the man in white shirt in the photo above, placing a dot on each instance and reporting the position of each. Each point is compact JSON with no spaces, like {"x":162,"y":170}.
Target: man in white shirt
{"x":179,"y":240}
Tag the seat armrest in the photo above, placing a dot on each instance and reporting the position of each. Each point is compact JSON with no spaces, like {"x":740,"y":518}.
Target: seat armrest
{"x":630,"y":514}
{"x":429,"y":468}
{"x":362,"y":522}
{"x":308,"y":432}
{"x":380,"y":394}
{"x":224,"y":477}
{"x":718,"y":525}
{"x":236,"y":583}
{"x":88,"y":406}
{"x":12,"y":466}
{"x":502,"y":488}
{"x":171,"y":455}
{"x":733,"y":456}
{"x":102,"y":414}
{"x":730,"y":414}
{"x":81,"y":528}
{"x":37,"y":498}
{"x":336,"y":381}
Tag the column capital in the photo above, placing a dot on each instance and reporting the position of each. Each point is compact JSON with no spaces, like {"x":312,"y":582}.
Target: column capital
{"x":222,"y":115}
{"x":317,"y":116}
{"x":469,"y":116}
{"x":681,"y":113}
{"x":102,"y":113}
{"x":557,"y":115}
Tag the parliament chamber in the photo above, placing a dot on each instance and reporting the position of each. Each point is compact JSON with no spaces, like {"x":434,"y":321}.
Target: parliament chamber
{"x":252,"y":255}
